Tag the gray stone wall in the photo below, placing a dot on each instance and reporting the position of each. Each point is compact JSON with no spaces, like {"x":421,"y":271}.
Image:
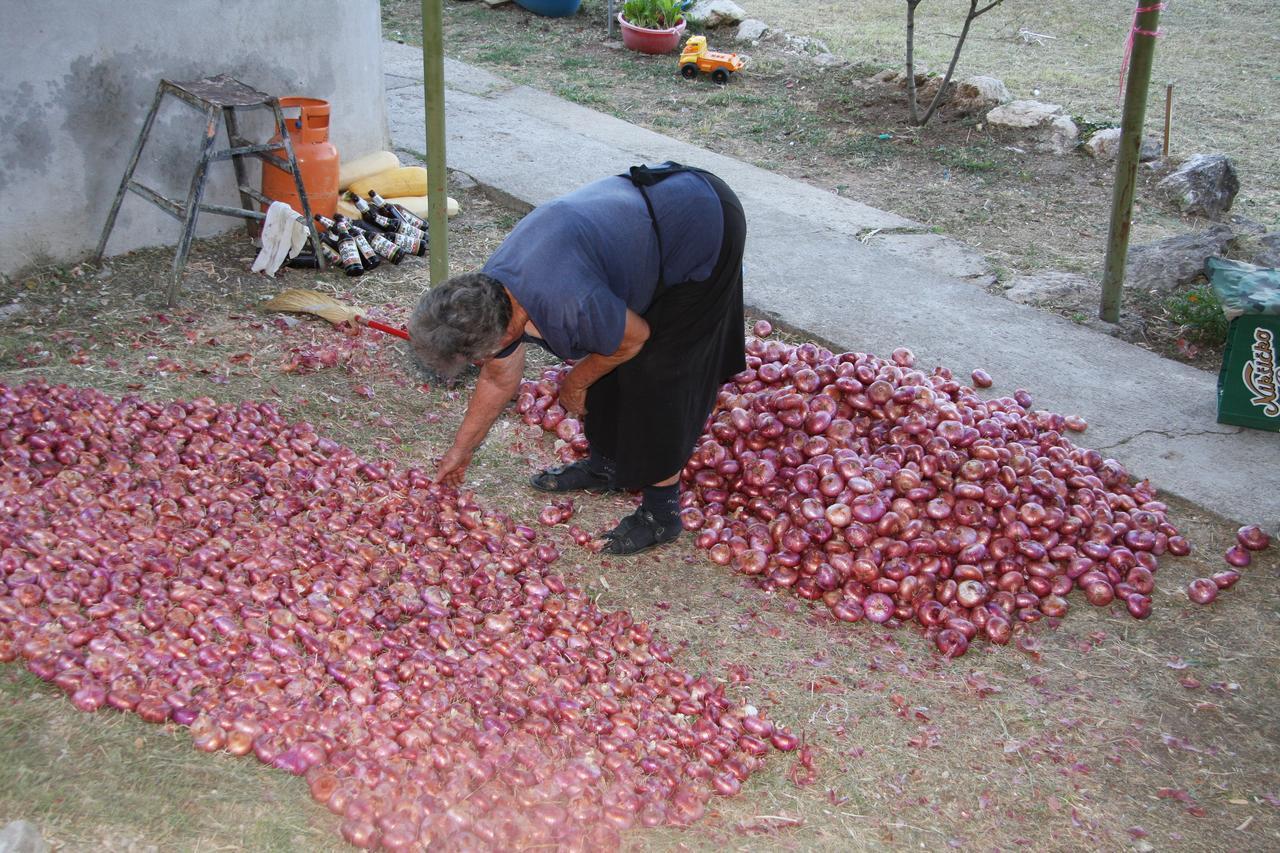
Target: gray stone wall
{"x":78,"y":76}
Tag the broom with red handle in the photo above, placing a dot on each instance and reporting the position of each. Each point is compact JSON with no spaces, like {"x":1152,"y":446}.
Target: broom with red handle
{"x":302,"y":301}
{"x":383,"y":327}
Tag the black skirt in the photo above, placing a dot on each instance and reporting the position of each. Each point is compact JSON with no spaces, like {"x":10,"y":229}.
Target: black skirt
{"x":648,"y":413}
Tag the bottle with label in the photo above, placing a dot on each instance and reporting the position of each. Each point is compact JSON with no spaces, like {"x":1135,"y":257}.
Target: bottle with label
{"x":331,"y":255}
{"x":409,"y":242}
{"x":368,"y":256}
{"x":395,"y":210}
{"x":378,"y":240}
{"x":348,"y":251}
{"x":368,"y":214}
{"x":400,"y":223}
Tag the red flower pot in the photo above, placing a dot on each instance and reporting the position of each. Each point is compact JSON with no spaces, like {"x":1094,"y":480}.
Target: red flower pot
{"x":650,"y":41}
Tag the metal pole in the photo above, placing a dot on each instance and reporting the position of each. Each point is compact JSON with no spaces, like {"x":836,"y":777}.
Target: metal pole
{"x":1168,"y":117}
{"x":437,"y":178}
{"x":1135,"y":108}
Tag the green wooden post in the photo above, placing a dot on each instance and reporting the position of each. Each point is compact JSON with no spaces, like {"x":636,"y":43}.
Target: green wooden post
{"x":433,"y":95}
{"x":1135,"y":108}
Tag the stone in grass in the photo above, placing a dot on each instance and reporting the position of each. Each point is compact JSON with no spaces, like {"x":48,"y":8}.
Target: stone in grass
{"x":1174,"y":262}
{"x":804,"y":45}
{"x":21,"y":836}
{"x":1205,"y":185}
{"x":1024,"y":114}
{"x":1269,"y":253}
{"x":1105,"y":145}
{"x":1060,"y":137}
{"x":751,"y":31}
{"x":715,"y":13}
{"x":1049,"y":288}
{"x":1049,"y":128}
{"x":981,"y":93}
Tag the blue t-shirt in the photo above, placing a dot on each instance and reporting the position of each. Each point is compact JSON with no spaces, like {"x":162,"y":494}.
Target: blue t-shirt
{"x":578,"y":262}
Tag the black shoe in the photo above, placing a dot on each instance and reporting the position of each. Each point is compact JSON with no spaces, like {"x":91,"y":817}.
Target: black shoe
{"x":574,"y":477}
{"x":638,"y":532}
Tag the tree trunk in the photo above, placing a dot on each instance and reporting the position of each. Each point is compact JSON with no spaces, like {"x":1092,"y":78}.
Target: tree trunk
{"x":911,"y":61}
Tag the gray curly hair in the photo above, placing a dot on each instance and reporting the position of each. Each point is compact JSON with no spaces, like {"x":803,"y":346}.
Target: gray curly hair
{"x":459,"y":322}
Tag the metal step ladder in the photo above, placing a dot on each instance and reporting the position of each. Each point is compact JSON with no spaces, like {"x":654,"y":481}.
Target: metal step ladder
{"x":218,"y":98}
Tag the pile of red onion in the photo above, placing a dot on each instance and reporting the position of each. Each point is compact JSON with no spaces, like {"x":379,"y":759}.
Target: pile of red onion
{"x":896,"y":495}
{"x":413,"y":655}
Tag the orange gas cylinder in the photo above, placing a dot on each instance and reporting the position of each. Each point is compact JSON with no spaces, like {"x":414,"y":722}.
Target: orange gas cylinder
{"x":316,"y":156}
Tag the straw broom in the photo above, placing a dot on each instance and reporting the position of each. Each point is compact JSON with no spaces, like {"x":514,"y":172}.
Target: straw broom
{"x":299,"y":300}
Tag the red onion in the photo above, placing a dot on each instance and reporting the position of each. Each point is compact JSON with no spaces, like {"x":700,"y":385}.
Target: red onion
{"x":874,"y":487}
{"x":878,"y":607}
{"x":343,"y":619}
{"x":1139,"y":606}
{"x":951,"y":643}
{"x":1226,"y":579}
{"x":762,"y":329}
{"x":1253,"y":537}
{"x":1238,"y":556}
{"x":981,"y":379}
{"x":1202,"y":590}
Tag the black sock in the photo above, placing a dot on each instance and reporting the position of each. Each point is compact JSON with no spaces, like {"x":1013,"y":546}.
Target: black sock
{"x":602,"y":466}
{"x":663,"y":502}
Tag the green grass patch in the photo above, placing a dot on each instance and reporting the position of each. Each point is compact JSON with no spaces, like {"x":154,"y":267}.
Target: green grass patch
{"x":967,"y":158}
{"x":1198,"y":312}
{"x":507,"y":54}
{"x":584,"y":94}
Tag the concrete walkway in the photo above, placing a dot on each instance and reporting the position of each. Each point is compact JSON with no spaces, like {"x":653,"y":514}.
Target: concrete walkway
{"x":869,"y":281}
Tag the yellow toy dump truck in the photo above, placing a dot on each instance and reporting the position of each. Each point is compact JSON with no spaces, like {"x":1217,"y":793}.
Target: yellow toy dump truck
{"x":695,"y":57}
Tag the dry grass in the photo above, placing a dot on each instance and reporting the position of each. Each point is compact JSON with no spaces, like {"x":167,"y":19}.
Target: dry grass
{"x":1215,"y":54}
{"x":1067,"y":749}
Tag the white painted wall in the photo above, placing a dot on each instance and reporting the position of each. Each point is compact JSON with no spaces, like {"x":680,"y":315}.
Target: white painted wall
{"x":78,"y":76}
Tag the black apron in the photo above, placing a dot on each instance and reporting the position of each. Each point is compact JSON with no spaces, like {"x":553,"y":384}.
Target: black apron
{"x":648,"y":413}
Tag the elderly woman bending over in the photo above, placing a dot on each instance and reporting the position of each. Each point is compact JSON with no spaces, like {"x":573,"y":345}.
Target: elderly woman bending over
{"x":638,"y":280}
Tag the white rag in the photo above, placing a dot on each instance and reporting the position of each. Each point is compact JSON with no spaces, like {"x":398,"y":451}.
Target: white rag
{"x":283,"y":236}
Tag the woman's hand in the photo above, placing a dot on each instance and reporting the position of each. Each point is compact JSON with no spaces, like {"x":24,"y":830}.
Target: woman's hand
{"x":452,"y":469}
{"x":573,"y":398}
{"x":499,"y":379}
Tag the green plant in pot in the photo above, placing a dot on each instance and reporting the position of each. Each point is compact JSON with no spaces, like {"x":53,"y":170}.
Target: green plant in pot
{"x":652,"y":26}
{"x":653,"y":14}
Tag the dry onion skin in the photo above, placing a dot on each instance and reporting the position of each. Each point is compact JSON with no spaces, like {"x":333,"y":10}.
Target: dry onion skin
{"x":413,"y":655}
{"x":894,"y":495}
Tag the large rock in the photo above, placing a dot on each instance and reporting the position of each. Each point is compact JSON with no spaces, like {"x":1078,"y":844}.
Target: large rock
{"x":1023,"y":115}
{"x":1161,"y":266}
{"x":1206,"y":185}
{"x":715,"y":13}
{"x":1049,"y":288}
{"x":1105,"y":145}
{"x":804,"y":45}
{"x":1060,"y":137}
{"x":1268,"y":252}
{"x":751,"y":31}
{"x":1049,"y":129}
{"x":981,"y":93}
{"x":21,"y":836}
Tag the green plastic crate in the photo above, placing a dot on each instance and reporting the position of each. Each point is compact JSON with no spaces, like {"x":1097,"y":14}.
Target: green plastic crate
{"x":1249,"y":382}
